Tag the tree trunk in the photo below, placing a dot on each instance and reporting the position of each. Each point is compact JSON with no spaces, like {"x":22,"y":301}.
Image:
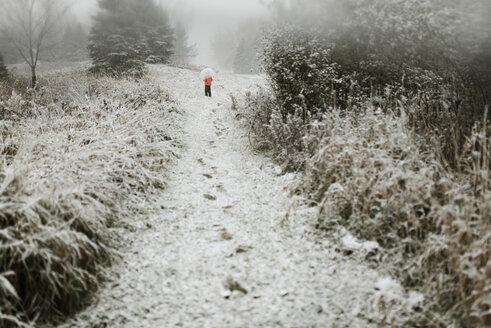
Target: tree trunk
{"x":33,"y":75}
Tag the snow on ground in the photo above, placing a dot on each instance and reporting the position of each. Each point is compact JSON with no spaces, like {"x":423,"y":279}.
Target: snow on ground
{"x":219,"y":251}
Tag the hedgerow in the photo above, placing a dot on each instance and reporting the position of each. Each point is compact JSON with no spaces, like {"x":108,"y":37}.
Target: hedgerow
{"x":369,"y":172}
{"x":397,"y":152}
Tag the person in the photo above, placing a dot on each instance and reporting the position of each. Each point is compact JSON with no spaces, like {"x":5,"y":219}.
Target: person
{"x":208,"y":81}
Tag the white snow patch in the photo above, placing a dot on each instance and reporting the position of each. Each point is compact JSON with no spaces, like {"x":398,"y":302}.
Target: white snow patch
{"x":351,"y":243}
{"x":389,"y":288}
{"x":415,"y":298}
{"x":391,"y":302}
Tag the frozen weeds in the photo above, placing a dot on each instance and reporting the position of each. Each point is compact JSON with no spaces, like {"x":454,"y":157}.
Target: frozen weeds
{"x":219,"y":249}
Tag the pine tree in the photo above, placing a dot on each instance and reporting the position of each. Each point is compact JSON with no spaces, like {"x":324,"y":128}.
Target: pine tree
{"x":4,"y":73}
{"x":183,"y":52}
{"x":128,"y":33}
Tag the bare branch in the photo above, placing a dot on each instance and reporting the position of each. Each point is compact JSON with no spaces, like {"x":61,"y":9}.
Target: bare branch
{"x":28,"y":24}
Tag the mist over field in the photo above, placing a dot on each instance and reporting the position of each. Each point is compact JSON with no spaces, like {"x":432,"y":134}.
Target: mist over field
{"x":208,"y":21}
{"x":245,"y":163}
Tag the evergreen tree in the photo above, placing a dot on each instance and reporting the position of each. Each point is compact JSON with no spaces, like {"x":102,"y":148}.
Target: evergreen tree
{"x":4,"y":73}
{"x":183,"y":52}
{"x":128,"y":33}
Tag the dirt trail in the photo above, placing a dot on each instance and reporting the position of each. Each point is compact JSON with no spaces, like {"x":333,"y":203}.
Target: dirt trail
{"x":217,"y":253}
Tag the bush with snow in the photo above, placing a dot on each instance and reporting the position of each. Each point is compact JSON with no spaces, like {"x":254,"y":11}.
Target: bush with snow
{"x":300,"y":70}
{"x":431,"y":56}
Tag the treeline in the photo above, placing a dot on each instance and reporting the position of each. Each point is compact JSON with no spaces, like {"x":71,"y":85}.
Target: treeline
{"x":383,"y":106}
{"x":124,"y":36}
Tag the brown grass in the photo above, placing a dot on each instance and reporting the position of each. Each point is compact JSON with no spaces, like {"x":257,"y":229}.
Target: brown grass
{"x":76,"y":156}
{"x":369,"y":173}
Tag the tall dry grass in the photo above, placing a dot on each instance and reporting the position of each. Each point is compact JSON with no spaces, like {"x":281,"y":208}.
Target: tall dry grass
{"x":369,"y":172}
{"x":77,"y":156}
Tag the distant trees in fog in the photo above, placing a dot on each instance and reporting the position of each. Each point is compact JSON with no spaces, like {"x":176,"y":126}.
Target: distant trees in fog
{"x":183,"y":51}
{"x":238,"y":50}
{"x":246,"y":56}
{"x":68,"y":43}
{"x":224,"y":47}
{"x":72,"y":42}
{"x":126,"y":34}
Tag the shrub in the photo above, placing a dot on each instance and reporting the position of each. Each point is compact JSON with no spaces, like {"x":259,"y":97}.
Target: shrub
{"x":431,"y":56}
{"x":425,"y":52}
{"x":390,"y":69}
{"x":273,"y":130}
{"x":367,"y":171}
{"x":300,"y":70}
{"x":82,"y":157}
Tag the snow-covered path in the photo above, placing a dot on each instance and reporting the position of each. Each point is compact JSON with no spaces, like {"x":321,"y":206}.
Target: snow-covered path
{"x":220,"y":253}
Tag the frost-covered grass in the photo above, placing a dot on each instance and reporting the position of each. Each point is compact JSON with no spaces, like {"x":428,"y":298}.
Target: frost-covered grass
{"x":369,"y":173}
{"x":78,"y":157}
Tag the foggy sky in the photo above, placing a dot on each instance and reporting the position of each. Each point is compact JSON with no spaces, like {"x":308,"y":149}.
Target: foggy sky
{"x":203,"y":18}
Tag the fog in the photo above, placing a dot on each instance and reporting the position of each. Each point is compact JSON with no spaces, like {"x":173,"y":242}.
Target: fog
{"x":83,"y":9}
{"x":203,"y":19}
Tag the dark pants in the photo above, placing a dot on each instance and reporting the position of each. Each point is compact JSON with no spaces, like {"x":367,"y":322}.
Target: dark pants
{"x":208,"y":90}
